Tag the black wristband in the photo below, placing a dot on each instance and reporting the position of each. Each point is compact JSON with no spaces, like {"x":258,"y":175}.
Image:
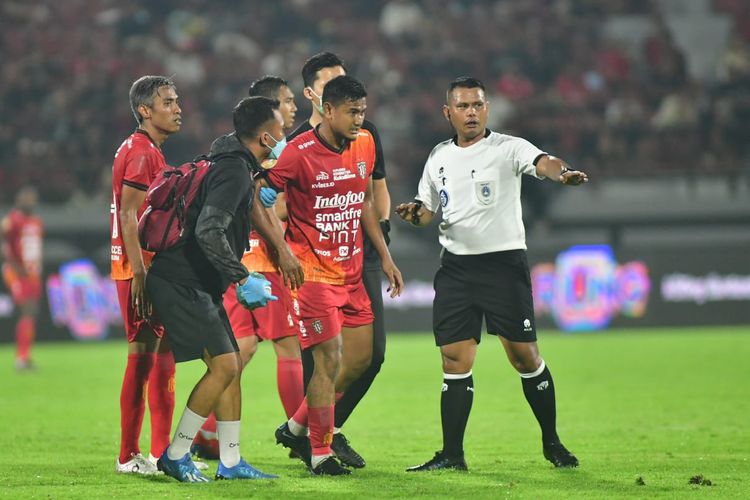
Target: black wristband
{"x":385,"y":226}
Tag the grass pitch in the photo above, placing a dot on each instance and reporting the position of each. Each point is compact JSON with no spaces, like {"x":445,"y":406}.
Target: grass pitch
{"x":644,"y":411}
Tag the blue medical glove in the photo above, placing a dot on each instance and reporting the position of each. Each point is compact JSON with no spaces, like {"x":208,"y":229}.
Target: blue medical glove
{"x":268,"y":196}
{"x":255,"y":292}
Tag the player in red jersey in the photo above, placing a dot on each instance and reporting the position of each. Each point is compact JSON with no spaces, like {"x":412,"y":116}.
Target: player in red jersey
{"x":326,"y":174}
{"x":22,"y":233}
{"x":275,"y":322}
{"x":153,"y":100}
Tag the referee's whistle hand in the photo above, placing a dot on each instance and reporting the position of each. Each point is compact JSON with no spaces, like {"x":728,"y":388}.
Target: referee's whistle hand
{"x":406,"y":211}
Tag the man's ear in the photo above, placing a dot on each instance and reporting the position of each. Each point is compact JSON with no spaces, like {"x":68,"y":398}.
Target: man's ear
{"x":307,"y":92}
{"x":447,"y":112}
{"x":145,"y":112}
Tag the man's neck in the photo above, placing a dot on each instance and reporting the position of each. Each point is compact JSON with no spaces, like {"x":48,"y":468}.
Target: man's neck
{"x":315,"y":119}
{"x":156,"y":135}
{"x":328,"y":135}
{"x":463,"y":142}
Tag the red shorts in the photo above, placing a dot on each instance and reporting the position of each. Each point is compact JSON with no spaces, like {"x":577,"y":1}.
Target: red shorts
{"x":274,"y":321}
{"x":134,"y":324}
{"x":325,"y":309}
{"x":22,"y":288}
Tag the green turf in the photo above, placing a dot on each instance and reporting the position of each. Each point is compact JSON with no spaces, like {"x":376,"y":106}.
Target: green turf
{"x":663,"y":405}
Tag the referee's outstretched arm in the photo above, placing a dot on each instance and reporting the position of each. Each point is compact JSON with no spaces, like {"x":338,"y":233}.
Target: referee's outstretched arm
{"x":556,"y":169}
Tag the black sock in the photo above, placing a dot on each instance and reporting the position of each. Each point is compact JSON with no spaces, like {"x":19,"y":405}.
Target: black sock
{"x":455,"y":406}
{"x":540,"y":393}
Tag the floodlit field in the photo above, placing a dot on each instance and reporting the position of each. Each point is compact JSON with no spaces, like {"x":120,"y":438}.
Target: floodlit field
{"x":644,"y":411}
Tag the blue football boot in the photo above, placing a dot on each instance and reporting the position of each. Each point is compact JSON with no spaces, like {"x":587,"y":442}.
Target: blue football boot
{"x":183,"y":469}
{"x":242,"y":470}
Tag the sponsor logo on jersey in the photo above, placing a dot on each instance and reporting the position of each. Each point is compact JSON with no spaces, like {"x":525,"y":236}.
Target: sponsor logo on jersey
{"x":305,"y":145}
{"x":362,"y":168}
{"x":341,"y":201}
{"x":322,"y":176}
{"x":323,"y":185}
{"x":342,"y":174}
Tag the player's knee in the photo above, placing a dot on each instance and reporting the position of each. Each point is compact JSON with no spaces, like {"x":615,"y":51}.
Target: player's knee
{"x":456,"y":366}
{"x":226,"y":368}
{"x":248,"y":348}
{"x":526,"y":364}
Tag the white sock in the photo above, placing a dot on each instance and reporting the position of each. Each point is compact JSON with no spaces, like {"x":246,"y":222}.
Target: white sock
{"x":190,"y":423}
{"x":229,"y":442}
{"x":297,"y":429}
{"x":317,"y":459}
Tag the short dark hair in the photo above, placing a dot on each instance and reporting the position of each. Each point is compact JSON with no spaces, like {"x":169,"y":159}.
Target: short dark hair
{"x":464,"y":82}
{"x":143,"y":90}
{"x":251,"y":113}
{"x":316,"y":63}
{"x":267,"y":86}
{"x":343,"y":88}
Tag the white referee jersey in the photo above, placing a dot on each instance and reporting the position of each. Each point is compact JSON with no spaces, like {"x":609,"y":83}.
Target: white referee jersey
{"x":478,"y":189}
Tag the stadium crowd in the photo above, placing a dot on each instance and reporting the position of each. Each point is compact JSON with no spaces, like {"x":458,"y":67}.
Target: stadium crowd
{"x":553,"y":75}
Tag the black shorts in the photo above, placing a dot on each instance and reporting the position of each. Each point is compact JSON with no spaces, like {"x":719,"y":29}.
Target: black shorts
{"x":193,"y":319}
{"x":494,"y":286}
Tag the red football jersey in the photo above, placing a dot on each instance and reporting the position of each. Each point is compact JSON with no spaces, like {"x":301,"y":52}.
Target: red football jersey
{"x":138,"y":161}
{"x":258,"y":257}
{"x":22,"y":240}
{"x":325,"y":191}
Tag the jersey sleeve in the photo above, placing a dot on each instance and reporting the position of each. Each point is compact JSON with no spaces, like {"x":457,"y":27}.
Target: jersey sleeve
{"x":525,"y":156}
{"x":426,"y":192}
{"x":285,"y":169}
{"x":378,"y":171}
{"x":139,"y":168}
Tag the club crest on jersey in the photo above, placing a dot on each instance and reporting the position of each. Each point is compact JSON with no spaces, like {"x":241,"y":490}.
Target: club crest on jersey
{"x":362,"y":167}
{"x":485,"y":192}
{"x":444,"y":198}
{"x":317,"y":326}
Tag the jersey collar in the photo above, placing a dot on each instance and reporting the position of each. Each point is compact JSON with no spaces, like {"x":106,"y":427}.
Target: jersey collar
{"x":328,"y":146}
{"x":487,"y":133}
{"x":141,"y":131}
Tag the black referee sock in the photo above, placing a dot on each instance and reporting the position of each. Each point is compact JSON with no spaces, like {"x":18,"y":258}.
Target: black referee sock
{"x":539,"y":390}
{"x":455,"y":406}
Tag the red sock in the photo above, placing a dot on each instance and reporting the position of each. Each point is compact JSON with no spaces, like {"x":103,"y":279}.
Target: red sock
{"x":289,"y":381}
{"x":25,"y":329}
{"x":132,"y":402}
{"x":300,"y":416}
{"x":161,"y":401}
{"x":209,"y":427}
{"x":321,"y":430}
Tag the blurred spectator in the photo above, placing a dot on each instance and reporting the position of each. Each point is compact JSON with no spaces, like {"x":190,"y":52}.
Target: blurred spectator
{"x":556,"y":78}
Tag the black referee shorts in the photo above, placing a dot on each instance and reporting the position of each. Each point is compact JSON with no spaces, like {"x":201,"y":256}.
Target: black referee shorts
{"x":494,"y":286}
{"x":193,"y":320}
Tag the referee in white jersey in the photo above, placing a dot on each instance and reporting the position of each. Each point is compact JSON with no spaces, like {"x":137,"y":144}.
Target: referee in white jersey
{"x":475,"y":179}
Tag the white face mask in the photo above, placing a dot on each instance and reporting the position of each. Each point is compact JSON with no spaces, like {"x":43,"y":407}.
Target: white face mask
{"x":319,"y":107}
